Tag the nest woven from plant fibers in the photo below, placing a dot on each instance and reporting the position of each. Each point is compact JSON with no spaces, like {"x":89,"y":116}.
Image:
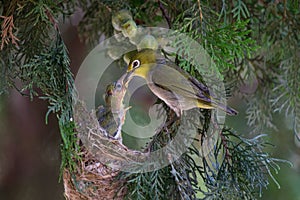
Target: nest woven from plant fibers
{"x":92,"y":181}
{"x":101,"y":155}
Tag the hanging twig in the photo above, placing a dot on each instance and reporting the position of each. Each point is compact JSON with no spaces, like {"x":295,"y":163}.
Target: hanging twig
{"x":52,"y":19}
{"x":284,"y":12}
{"x":165,"y":14}
{"x":200,"y":11}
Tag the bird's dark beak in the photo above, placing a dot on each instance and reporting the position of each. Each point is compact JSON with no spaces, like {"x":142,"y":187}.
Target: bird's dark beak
{"x":128,"y":77}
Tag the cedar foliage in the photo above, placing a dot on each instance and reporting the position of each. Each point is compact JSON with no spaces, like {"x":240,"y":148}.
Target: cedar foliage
{"x":248,"y":40}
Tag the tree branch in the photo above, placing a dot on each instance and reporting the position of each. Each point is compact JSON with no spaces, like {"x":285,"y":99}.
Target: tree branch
{"x":165,"y":14}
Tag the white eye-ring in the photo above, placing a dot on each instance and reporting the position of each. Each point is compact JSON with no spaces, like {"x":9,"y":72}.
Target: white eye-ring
{"x":135,"y":64}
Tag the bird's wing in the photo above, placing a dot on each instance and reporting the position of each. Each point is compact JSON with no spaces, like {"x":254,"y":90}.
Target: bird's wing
{"x":194,"y":81}
{"x":179,"y":82}
{"x":205,"y":96}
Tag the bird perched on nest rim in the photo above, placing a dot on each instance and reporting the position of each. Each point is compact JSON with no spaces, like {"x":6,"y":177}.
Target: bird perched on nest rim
{"x":178,"y":89}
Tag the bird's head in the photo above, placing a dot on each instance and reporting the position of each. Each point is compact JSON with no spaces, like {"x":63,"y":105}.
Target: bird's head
{"x":141,"y":63}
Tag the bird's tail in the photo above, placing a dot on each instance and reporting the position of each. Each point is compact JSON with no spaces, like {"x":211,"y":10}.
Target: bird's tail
{"x":228,"y":110}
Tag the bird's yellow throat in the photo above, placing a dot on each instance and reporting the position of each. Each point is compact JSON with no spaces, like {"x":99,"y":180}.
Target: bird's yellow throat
{"x":147,"y":59}
{"x":143,"y":70}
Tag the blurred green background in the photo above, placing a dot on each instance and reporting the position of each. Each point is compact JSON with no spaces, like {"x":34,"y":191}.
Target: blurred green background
{"x":286,"y":146}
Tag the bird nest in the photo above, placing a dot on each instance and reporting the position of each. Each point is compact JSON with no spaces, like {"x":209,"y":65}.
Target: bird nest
{"x":102,"y":155}
{"x":92,"y":180}
{"x":102,"y":158}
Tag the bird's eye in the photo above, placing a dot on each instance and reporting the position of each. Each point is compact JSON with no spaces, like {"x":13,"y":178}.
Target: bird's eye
{"x":118,"y":86}
{"x":135,"y":64}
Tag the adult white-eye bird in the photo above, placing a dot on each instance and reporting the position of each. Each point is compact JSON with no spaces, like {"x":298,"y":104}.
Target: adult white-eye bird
{"x":178,"y":89}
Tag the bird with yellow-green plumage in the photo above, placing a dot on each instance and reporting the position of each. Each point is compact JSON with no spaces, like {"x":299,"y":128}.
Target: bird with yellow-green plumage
{"x":178,"y":89}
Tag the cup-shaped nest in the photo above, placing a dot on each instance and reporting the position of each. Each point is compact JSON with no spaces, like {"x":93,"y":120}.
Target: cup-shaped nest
{"x":102,"y":154}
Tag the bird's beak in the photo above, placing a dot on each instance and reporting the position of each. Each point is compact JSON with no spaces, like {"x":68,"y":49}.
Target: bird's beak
{"x":129,"y":69}
{"x":127,"y":77}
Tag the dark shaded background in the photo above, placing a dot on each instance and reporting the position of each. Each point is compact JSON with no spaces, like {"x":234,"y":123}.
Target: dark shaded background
{"x":30,"y":149}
